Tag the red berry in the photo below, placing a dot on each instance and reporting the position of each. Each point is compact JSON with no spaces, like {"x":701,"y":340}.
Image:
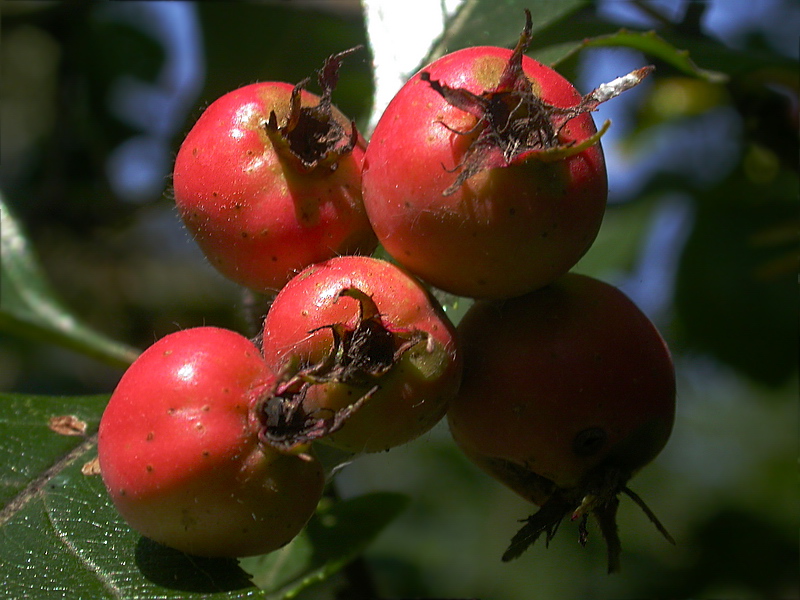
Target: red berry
{"x":369,"y":359}
{"x":180,"y":456}
{"x":484,"y":176}
{"x":567,"y":392}
{"x":268,"y":181}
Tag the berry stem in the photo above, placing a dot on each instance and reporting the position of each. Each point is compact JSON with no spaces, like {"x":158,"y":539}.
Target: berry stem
{"x":254,"y":307}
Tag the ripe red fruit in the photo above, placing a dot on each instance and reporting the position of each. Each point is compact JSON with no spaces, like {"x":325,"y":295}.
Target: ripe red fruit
{"x":484,"y":175}
{"x":567,"y":392}
{"x":268,"y":181}
{"x":180,"y":456}
{"x":368,"y":357}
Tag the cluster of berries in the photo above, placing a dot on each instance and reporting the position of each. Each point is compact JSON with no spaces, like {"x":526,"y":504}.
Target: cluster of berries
{"x":484,"y":178}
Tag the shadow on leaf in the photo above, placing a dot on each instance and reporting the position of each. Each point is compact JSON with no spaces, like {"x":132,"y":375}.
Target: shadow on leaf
{"x":173,"y":569}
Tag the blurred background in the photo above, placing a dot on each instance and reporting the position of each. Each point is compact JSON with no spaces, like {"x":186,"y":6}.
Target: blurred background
{"x":702,"y":232}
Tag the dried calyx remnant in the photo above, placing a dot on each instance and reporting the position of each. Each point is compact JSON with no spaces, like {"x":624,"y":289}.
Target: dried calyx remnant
{"x":514,"y":124}
{"x":597,"y":496}
{"x":312,"y":137}
{"x":359,"y":357}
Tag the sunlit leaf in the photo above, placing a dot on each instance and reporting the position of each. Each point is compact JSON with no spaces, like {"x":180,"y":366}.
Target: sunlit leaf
{"x":60,"y":534}
{"x":64,"y":539}
{"x":30,"y":308}
{"x":29,"y":446}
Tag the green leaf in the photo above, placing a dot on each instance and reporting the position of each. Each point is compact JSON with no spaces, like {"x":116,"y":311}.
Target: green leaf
{"x":620,"y":239}
{"x":30,"y":447}
{"x":30,"y":308}
{"x":736,"y":62}
{"x":498,"y":22}
{"x":60,"y":536}
{"x":647,"y":42}
{"x":736,"y":293}
{"x":67,"y":541}
{"x":337,"y":534}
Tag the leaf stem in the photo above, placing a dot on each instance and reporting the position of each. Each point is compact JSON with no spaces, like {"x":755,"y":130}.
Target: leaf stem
{"x":359,"y":580}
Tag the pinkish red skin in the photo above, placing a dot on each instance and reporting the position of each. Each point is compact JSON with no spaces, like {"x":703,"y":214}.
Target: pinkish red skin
{"x":413,"y":395}
{"x":257,"y":218}
{"x":543,"y":367}
{"x":179,"y":452}
{"x":506,"y":230}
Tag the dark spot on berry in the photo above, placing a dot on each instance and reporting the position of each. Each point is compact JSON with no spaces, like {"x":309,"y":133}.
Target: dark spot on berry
{"x":589,"y":441}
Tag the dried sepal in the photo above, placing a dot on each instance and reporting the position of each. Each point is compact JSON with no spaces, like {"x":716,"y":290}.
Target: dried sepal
{"x":514,"y":125}
{"x":359,"y":356}
{"x":289,"y":428}
{"x":312,"y":137}
{"x":597,"y":497}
